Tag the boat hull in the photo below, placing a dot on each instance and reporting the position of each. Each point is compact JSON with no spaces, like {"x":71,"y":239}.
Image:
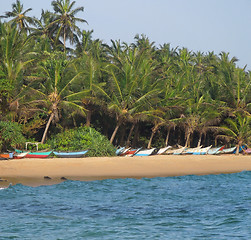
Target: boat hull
{"x":38,"y":154}
{"x":146,"y":152}
{"x":70,"y":154}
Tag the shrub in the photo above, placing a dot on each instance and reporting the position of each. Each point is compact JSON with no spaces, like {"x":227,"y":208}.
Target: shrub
{"x":83,"y":138}
{"x":10,"y":135}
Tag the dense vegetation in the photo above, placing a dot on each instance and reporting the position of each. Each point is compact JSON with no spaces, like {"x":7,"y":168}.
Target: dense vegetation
{"x":55,"y":76}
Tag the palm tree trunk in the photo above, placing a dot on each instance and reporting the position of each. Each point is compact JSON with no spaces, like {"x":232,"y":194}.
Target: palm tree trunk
{"x":47,"y":127}
{"x":64,"y":39}
{"x":199,"y":142}
{"x":122,"y":136}
{"x":114,"y":132}
{"x":88,"y":118}
{"x":187,"y":139}
{"x":167,"y":136}
{"x":136,"y":136}
{"x":130,"y":134}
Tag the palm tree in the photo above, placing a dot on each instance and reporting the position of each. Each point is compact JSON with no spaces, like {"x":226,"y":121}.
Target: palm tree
{"x":64,"y":18}
{"x":18,"y":15}
{"x":52,"y":90}
{"x":130,"y":86}
{"x":237,"y":130}
{"x":15,"y":57}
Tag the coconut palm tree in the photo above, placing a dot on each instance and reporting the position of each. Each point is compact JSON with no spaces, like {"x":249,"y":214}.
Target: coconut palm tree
{"x":129,"y":84}
{"x":18,"y":16}
{"x":236,"y":130}
{"x":52,"y":89}
{"x":65,"y":19}
{"x":15,"y":58}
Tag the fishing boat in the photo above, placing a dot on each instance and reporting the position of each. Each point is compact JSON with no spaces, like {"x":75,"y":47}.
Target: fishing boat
{"x":35,"y":154}
{"x":132,"y":152}
{"x":247,"y":151}
{"x":215,"y":150}
{"x":123,"y":152}
{"x":78,"y":154}
{"x":163,"y":150}
{"x":119,"y":151}
{"x":202,"y":151}
{"x":240,"y":149}
{"x":227,"y":150}
{"x":20,"y":155}
{"x":6,"y":155}
{"x":145,"y":152}
{"x":177,"y":151}
{"x":191,"y":150}
{"x":38,"y":154}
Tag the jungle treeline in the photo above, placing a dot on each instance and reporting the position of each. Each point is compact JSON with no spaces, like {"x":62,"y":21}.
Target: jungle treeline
{"x":54,"y":76}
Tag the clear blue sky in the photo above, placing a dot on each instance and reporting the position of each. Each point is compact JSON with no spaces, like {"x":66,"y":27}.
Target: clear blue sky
{"x":199,"y":25}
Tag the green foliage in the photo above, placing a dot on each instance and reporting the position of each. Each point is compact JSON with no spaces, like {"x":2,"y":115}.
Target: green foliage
{"x":83,"y":138}
{"x":10,"y":136}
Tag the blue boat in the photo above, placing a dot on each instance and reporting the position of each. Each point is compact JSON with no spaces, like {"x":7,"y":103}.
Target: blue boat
{"x":70,"y":154}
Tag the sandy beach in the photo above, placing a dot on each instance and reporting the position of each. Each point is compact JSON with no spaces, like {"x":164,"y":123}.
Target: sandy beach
{"x":35,"y":172}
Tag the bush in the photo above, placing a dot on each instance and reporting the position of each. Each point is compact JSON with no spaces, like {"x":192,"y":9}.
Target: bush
{"x":10,"y":136}
{"x":83,"y":138}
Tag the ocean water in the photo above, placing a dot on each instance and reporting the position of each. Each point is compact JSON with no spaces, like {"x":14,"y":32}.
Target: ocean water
{"x":188,"y":207}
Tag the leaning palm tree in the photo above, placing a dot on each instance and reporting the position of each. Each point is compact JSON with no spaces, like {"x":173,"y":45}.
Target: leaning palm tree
{"x":65,"y":20}
{"x":236,"y":130}
{"x":18,"y":16}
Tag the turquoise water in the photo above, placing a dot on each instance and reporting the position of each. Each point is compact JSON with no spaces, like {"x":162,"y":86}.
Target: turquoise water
{"x":189,"y":207}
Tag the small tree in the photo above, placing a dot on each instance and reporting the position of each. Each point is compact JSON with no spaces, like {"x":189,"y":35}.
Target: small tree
{"x":10,"y":135}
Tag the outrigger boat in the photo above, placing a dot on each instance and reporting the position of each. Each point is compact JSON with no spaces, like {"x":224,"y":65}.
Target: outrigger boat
{"x":163,"y":150}
{"x":132,"y":152}
{"x":78,"y":154}
{"x":202,"y":151}
{"x":215,"y":150}
{"x":6,"y":155}
{"x":227,"y":150}
{"x":145,"y":152}
{"x":191,"y":150}
{"x":35,"y":154}
{"x":20,"y":155}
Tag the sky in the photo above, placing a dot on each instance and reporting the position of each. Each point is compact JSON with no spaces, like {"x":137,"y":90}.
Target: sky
{"x":199,"y":25}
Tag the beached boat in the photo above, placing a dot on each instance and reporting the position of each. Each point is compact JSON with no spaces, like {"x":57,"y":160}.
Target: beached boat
{"x":215,"y":150}
{"x":227,"y":150}
{"x":6,"y":155}
{"x":132,"y":152}
{"x":78,"y":154}
{"x":35,"y":154}
{"x":202,"y":151}
{"x":123,"y":152}
{"x":176,"y":151}
{"x":119,"y":151}
{"x":240,"y":149}
{"x":163,"y":150}
{"x":247,"y":151}
{"x":20,"y":155}
{"x":38,"y":154}
{"x":145,"y":152}
{"x":191,"y":150}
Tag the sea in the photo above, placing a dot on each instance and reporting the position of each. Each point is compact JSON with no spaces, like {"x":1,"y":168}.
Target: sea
{"x":187,"y":207}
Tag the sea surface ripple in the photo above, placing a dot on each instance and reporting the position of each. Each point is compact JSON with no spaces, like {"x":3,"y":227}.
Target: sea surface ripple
{"x":188,"y":207}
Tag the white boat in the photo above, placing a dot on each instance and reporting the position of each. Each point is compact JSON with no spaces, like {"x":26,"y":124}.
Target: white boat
{"x":227,"y":150}
{"x":146,"y":152}
{"x":202,"y":151}
{"x":163,"y":150}
{"x":191,"y":150}
{"x":215,"y":150}
{"x":20,"y":155}
{"x":178,"y":151}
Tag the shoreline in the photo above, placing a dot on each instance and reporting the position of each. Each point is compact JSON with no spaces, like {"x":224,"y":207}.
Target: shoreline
{"x":36,"y":172}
